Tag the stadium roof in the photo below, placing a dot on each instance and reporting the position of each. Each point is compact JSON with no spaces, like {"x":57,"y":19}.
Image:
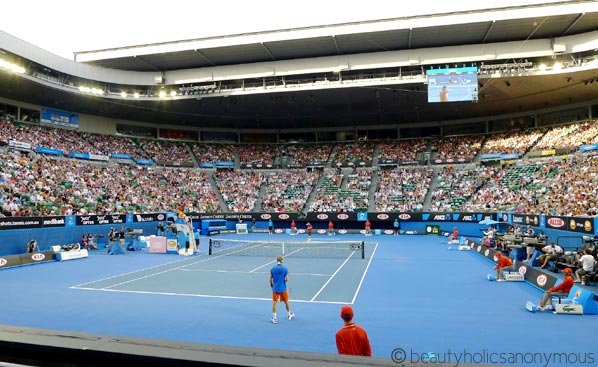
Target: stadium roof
{"x":363,"y":105}
{"x":526,"y":22}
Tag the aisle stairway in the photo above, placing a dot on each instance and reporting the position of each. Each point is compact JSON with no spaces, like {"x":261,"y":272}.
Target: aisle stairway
{"x":223,"y":207}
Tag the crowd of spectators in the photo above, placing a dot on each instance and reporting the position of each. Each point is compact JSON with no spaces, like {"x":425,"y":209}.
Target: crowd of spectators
{"x":239,"y":189}
{"x":302,"y":154}
{"x":511,"y":142}
{"x":109,"y":144}
{"x":33,"y":184}
{"x":402,"y":150}
{"x":355,"y":153}
{"x":457,"y":148}
{"x":569,"y":137}
{"x":257,"y":155}
{"x":212,"y":153}
{"x":401,"y":190}
{"x":172,"y":153}
{"x":287,"y":191}
{"x":456,"y":185}
{"x":327,"y":197}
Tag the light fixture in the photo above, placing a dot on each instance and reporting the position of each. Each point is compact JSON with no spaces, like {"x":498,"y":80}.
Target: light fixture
{"x":135,"y":95}
{"x":173,"y":93}
{"x":123,"y":94}
{"x":557,"y":66}
{"x":542,"y":67}
{"x":162,"y":94}
{"x":11,"y":67}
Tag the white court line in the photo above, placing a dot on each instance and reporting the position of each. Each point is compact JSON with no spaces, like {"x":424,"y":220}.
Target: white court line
{"x":259,"y":267}
{"x":333,"y":275}
{"x":208,"y":296}
{"x":249,"y":272}
{"x":80,"y":286}
{"x":364,"y":273}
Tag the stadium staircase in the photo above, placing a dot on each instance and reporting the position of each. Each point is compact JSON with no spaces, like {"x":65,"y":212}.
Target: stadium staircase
{"x":237,"y":158}
{"x":331,"y":157}
{"x":260,"y":197}
{"x":431,"y":188}
{"x":193,"y":158}
{"x":375,"y":156}
{"x":223,"y":207}
{"x":372,"y":193}
{"x":312,"y":194}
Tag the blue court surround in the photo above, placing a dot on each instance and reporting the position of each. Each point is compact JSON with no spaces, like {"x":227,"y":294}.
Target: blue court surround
{"x":415,"y":295}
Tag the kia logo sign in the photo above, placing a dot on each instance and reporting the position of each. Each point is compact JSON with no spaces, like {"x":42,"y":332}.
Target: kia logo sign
{"x":479,"y":248}
{"x":522,"y":270}
{"x":382,"y":216}
{"x":3,"y":262}
{"x":160,"y":216}
{"x":278,"y":230}
{"x":486,"y":252}
{"x":362,"y":231}
{"x":342,"y":231}
{"x":322,"y":216}
{"x":541,"y":280}
{"x":266,"y":216}
{"x":404,"y":216}
{"x":283,"y":216}
{"x":556,"y":222}
{"x":343,"y":216}
{"x":38,"y":257}
{"x":321,"y":231}
{"x":388,"y":231}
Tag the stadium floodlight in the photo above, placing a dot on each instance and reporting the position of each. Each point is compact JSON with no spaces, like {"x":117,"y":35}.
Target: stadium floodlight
{"x":162,"y":94}
{"x":173,"y":93}
{"x":542,"y":67}
{"x":123,"y":94}
{"x":11,"y":67}
{"x":557,"y":66}
{"x":135,"y":95}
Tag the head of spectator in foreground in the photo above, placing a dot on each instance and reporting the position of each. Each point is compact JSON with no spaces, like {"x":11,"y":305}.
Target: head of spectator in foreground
{"x":568,"y":272}
{"x":280,"y":259}
{"x":347,"y":313}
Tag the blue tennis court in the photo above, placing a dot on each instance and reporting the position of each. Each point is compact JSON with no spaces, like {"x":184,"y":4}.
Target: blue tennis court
{"x":410,"y":293}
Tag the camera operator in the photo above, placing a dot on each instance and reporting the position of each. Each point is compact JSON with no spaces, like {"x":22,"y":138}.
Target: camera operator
{"x":31,"y":246}
{"x":160,"y":229}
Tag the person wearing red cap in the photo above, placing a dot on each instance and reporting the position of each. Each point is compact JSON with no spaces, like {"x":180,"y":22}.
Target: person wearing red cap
{"x":560,"y":290}
{"x":503,"y":262}
{"x":352,"y":339}
{"x":330,"y":228}
{"x":309,"y":229}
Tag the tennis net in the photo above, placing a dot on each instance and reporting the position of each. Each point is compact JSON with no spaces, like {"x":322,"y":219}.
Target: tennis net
{"x":338,"y":249}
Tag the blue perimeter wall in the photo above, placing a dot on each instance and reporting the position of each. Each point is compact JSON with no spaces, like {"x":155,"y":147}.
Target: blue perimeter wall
{"x":14,"y":241}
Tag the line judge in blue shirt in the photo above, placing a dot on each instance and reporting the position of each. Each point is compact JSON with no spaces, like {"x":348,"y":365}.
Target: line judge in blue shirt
{"x":279,"y":276}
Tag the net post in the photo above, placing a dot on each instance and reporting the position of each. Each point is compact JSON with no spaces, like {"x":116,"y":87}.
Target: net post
{"x":210,"y":248}
{"x":363,"y":249}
